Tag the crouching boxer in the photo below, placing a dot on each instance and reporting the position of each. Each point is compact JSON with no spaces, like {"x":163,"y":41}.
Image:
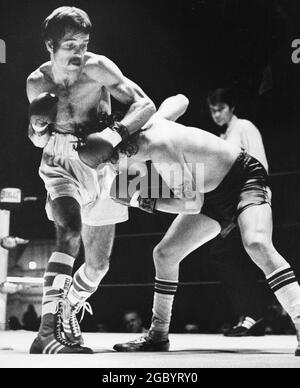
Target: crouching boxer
{"x":216,"y":186}
{"x":67,"y":95}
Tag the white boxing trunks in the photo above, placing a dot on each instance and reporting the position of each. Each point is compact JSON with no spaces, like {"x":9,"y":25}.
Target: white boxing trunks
{"x":65,"y":175}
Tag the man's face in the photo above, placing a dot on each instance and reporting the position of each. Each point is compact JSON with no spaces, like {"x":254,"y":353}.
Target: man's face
{"x":133,"y":323}
{"x":70,"y":50}
{"x":221,"y":114}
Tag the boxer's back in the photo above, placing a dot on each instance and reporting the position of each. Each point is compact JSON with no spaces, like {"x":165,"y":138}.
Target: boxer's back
{"x":194,"y":147}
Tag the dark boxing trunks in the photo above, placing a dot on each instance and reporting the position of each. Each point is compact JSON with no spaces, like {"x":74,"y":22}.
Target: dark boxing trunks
{"x":244,"y":186}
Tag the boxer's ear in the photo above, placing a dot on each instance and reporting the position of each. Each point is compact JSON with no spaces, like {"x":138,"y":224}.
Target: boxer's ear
{"x":49,"y":45}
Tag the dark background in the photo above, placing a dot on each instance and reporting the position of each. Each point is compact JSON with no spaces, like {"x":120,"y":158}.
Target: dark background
{"x":167,"y":47}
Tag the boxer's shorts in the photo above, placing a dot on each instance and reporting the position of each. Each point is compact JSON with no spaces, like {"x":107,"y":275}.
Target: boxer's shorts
{"x":244,"y":186}
{"x":64,"y":175}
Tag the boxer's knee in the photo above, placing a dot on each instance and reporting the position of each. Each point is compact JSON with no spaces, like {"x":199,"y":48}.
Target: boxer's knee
{"x":69,"y":228}
{"x":164,"y":256}
{"x":68,"y":233}
{"x":260,"y":248}
{"x":257,"y":243}
{"x":67,"y":215}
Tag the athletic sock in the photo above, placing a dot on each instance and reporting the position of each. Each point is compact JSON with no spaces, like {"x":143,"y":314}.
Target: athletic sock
{"x":57,"y":281}
{"x":164,"y":294}
{"x":284,"y":284}
{"x":82,"y":287}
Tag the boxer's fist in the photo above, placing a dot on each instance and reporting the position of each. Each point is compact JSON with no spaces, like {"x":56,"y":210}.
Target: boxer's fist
{"x":43,"y":110}
{"x":127,"y":192}
{"x":95,"y":150}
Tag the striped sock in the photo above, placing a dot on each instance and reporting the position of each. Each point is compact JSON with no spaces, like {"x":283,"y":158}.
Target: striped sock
{"x":82,"y":287}
{"x":284,"y":284}
{"x":57,"y":280}
{"x":164,"y":293}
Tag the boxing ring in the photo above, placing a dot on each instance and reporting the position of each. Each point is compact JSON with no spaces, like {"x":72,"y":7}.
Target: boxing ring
{"x":4,"y":231}
{"x":187,"y":351}
{"x":10,"y":199}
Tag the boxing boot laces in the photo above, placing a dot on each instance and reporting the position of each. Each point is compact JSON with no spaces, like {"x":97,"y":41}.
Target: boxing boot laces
{"x":297,"y":325}
{"x":71,"y":325}
{"x":56,"y":342}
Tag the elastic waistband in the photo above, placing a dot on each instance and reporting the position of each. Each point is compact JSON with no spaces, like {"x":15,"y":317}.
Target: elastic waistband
{"x":237,"y":173}
{"x":235,"y":170}
{"x":62,"y":145}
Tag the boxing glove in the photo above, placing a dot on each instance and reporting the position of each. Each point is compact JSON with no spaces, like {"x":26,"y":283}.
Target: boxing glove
{"x":43,"y":111}
{"x":97,"y":148}
{"x":124,"y":191}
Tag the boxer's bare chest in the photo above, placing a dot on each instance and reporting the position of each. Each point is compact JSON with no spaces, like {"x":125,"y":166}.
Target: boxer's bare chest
{"x":78,"y":101}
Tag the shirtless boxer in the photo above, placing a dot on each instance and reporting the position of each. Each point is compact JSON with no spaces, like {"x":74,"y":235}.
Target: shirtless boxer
{"x":81,"y":83}
{"x":235,"y":189}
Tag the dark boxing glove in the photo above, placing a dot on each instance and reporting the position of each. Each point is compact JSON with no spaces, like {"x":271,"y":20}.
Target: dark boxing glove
{"x":95,"y":150}
{"x":122,"y":193}
{"x":98,"y":147}
{"x":42,"y":112}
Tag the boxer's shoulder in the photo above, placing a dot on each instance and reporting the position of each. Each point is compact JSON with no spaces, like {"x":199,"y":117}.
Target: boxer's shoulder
{"x":95,"y":61}
{"x":38,"y":82}
{"x":157,"y":136}
{"x":40,"y":75}
{"x":98,"y":65}
{"x":35,"y":77}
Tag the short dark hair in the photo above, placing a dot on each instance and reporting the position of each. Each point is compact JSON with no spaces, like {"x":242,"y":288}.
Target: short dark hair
{"x":133,"y":311}
{"x":55,"y":25}
{"x":222,"y":96}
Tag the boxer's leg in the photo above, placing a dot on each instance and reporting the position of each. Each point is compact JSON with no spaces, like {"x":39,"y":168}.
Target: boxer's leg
{"x":99,"y":218}
{"x":66,"y":214}
{"x":98,"y":243}
{"x":187,"y":233}
{"x":256,"y":226}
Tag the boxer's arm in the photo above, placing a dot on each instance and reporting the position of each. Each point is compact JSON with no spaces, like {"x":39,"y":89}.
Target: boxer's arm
{"x":141,"y":108}
{"x":180,"y":194}
{"x":177,"y":175}
{"x":170,"y":109}
{"x":39,"y":136}
{"x":40,"y":140}
{"x":178,"y":206}
{"x":189,"y":201}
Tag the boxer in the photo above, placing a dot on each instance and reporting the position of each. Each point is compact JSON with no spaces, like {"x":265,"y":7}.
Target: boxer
{"x":67,"y":96}
{"x":217,"y":186}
